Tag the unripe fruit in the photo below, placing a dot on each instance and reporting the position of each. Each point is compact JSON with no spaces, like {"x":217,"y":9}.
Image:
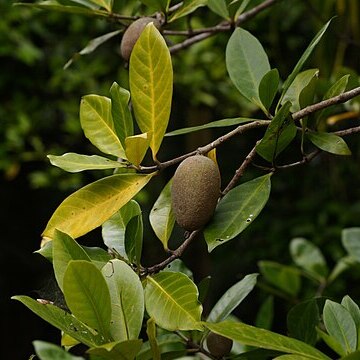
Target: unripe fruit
{"x":218,"y":345}
{"x":195,"y":191}
{"x":132,"y":34}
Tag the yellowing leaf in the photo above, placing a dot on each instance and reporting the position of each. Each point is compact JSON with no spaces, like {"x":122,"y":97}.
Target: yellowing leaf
{"x":136,"y":146}
{"x":92,"y":205}
{"x":98,"y":125}
{"x":212,"y":155}
{"x":151,"y":82}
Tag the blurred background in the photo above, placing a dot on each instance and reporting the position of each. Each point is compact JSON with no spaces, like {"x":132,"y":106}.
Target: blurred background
{"x":39,"y":115}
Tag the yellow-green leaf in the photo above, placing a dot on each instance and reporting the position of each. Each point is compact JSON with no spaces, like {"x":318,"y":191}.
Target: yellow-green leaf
{"x":98,"y":125}
{"x":90,"y":206}
{"x":136,"y":147}
{"x":151,"y":83}
{"x":106,"y":4}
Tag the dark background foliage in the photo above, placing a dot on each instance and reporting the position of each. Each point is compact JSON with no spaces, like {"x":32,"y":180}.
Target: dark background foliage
{"x":39,"y":116}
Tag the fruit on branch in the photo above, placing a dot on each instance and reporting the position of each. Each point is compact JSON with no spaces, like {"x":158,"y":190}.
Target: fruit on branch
{"x":195,"y":191}
{"x":132,"y":34}
{"x":218,"y":345}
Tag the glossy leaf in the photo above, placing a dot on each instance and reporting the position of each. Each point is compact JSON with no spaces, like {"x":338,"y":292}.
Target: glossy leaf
{"x":354,"y":311}
{"x":301,"y":81}
{"x":330,"y":341}
{"x":136,"y":147}
{"x":329,"y":142}
{"x":62,"y":320}
{"x":178,"y":266}
{"x":151,"y":333}
{"x":232,"y":298}
{"x":283,"y":277}
{"x":350,"y":239}
{"x":65,"y":249}
{"x":278,"y":135}
{"x":161,"y":216}
{"x":302,"y":321}
{"x":268,"y":87}
{"x":309,"y":257}
{"x":87,"y":296}
{"x":106,"y":4}
{"x":98,"y":125}
{"x":72,"y":162}
{"x":342,"y":265}
{"x":219,"y":7}
{"x":213,"y":124}
{"x":188,"y":7}
{"x":151,"y":84}
{"x":48,"y":351}
{"x":127,"y":300}
{"x":92,"y":205}
{"x":340,"y":325}
{"x":252,"y":336}
{"x":134,"y":239}
{"x":157,"y":4}
{"x":172,"y":301}
{"x":119,"y":350}
{"x":203,"y":287}
{"x":246,"y":63}
{"x":98,"y":256}
{"x":113,"y":230}
{"x":236,"y":210}
{"x":265,"y":314}
{"x":123,"y":122}
{"x":303,"y":58}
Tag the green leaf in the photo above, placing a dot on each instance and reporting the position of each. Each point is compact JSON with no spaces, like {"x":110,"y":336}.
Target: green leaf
{"x":87,"y":296}
{"x":123,"y":122}
{"x":265,"y":315}
{"x":354,"y":311}
{"x":203,"y":287}
{"x":134,"y":239}
{"x":151,"y":333}
{"x":350,"y":239}
{"x":329,"y":142}
{"x":72,"y":162}
{"x":232,"y":298}
{"x":62,"y":320}
{"x":161,"y":216}
{"x":56,"y":6}
{"x":286,"y":278}
{"x":187,"y":7}
{"x":330,"y":341}
{"x":171,"y":299}
{"x":342,"y":265}
{"x":178,"y":266}
{"x":246,"y":63}
{"x":302,"y":321}
{"x":278,"y":135}
{"x":157,"y":4}
{"x":219,"y":7}
{"x":65,"y":249}
{"x":268,"y":87}
{"x":340,"y":325}
{"x":127,"y":299}
{"x":213,"y":124}
{"x":353,"y":356}
{"x":151,"y":84}
{"x":119,"y":350}
{"x":113,"y":230}
{"x":106,"y":4}
{"x":250,"y":335}
{"x":136,"y":147}
{"x":98,"y":256}
{"x":92,"y":46}
{"x":92,"y":205}
{"x":291,"y":357}
{"x":237,"y":210}
{"x":48,"y":351}
{"x":301,"y":81}
{"x":303,"y":58}
{"x":309,"y":257}
{"x":98,"y":125}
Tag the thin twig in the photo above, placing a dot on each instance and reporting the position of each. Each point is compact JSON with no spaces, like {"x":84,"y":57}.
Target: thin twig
{"x":240,"y":171}
{"x":345,"y":132}
{"x":326,"y":103}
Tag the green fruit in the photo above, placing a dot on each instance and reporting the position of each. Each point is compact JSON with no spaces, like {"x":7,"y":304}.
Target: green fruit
{"x":132,"y":33}
{"x":218,"y":345}
{"x":195,"y":191}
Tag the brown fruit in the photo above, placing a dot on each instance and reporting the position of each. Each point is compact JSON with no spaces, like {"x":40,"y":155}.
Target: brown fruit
{"x":218,"y":345}
{"x":195,"y":191}
{"x":132,"y":33}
